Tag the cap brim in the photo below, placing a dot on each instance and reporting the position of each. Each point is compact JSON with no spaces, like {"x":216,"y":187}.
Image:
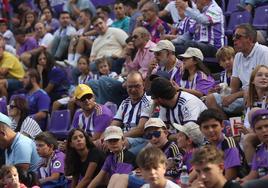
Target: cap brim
{"x":113,"y":137}
{"x":179,"y":127}
{"x":185,"y":56}
{"x":155,"y":49}
{"x":83,"y":94}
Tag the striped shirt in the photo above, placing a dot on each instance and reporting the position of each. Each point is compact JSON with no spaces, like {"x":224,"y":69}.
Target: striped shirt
{"x":83,"y":79}
{"x":130,"y":113}
{"x":29,"y":127}
{"x":187,"y":108}
{"x":176,"y":72}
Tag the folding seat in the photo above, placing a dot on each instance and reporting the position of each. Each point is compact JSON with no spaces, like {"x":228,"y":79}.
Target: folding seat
{"x":260,"y":20}
{"x":237,"y":18}
{"x":231,"y":7}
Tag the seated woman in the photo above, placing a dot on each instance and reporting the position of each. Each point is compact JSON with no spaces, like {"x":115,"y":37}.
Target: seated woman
{"x":195,"y":78}
{"x":21,"y":122}
{"x":53,"y":79}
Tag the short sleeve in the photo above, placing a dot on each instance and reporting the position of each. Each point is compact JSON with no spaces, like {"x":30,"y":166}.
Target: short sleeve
{"x":204,"y":83}
{"x":107,"y":163}
{"x":101,"y":122}
{"x":56,"y":76}
{"x":146,"y":109}
{"x":23,"y":153}
{"x":43,"y":103}
{"x":254,"y":163}
{"x":120,"y":111}
{"x":231,"y":158}
{"x":215,"y":14}
{"x":58,"y":163}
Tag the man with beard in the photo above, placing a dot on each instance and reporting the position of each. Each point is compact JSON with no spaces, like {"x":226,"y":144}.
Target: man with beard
{"x":38,"y":99}
{"x":142,"y":42}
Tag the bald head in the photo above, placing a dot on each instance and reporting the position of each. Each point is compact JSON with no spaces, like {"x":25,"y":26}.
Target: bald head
{"x":140,"y":37}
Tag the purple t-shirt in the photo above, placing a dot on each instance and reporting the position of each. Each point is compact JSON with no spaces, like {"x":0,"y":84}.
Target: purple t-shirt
{"x":260,"y":161}
{"x":231,"y":153}
{"x":96,"y":122}
{"x":38,"y":101}
{"x":56,"y":165}
{"x":29,"y":44}
{"x":122,"y":163}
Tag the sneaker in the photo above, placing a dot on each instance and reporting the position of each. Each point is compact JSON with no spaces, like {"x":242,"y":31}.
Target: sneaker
{"x":61,"y":63}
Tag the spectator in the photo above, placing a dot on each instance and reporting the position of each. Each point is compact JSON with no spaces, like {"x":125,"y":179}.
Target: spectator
{"x":19,"y":150}
{"x":119,"y":161}
{"x":132,"y":11}
{"x":210,"y":23}
{"x":249,"y":55}
{"x":196,"y":77}
{"x":53,"y":79}
{"x":142,"y":42}
{"x":18,"y":111}
{"x":208,"y":162}
{"x":51,"y":169}
{"x":104,"y":12}
{"x":249,"y":5}
{"x":83,"y":160}
{"x":75,"y":6}
{"x":171,"y":10}
{"x":133,"y":112}
{"x":11,"y":72}
{"x":211,"y":125}
{"x":92,"y":117}
{"x":28,"y":22}
{"x":62,"y":36}
{"x":104,"y":67}
{"x":44,"y":40}
{"x":41,"y":4}
{"x":122,"y":21}
{"x":7,"y":34}
{"x":9,"y":177}
{"x":153,"y":162}
{"x":51,"y":23}
{"x":37,"y":99}
{"x":110,"y":43}
{"x":153,"y":24}
{"x":8,"y":47}
{"x":175,"y":106}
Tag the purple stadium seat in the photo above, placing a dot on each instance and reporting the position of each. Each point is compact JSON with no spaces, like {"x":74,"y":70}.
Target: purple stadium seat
{"x":59,"y":123}
{"x":237,"y":18}
{"x":260,"y":20}
{"x":102,"y":2}
{"x":3,"y":105}
{"x":112,"y":107}
{"x":231,"y":6}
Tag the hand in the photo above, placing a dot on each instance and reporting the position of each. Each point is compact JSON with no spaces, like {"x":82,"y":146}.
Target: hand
{"x":171,"y":163}
{"x":241,"y":128}
{"x":197,"y":184}
{"x":152,"y":65}
{"x":27,"y":25}
{"x":40,"y":69}
{"x":227,"y":100}
{"x":180,"y":4}
{"x":161,"y":29}
{"x":139,"y":20}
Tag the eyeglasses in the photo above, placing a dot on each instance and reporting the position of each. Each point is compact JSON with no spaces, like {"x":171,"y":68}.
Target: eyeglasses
{"x":152,"y":134}
{"x":238,"y":36}
{"x":12,"y":106}
{"x":136,"y":86}
{"x":135,"y":37}
{"x":86,"y":97}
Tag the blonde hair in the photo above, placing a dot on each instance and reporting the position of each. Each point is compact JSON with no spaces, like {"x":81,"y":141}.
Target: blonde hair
{"x":7,"y":169}
{"x":207,"y":154}
{"x":225,"y":52}
{"x":252,"y":92}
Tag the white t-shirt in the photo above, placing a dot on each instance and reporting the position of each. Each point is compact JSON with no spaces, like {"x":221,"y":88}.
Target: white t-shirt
{"x":169,"y":184}
{"x":46,"y":40}
{"x":171,"y":8}
{"x":243,"y":66}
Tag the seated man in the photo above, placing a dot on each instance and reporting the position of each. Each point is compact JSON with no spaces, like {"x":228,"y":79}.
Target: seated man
{"x":91,"y":117}
{"x":133,"y":112}
{"x":19,"y":150}
{"x":11,"y":72}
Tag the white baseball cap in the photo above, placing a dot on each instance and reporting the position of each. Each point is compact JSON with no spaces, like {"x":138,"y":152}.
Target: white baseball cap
{"x":163,"y":45}
{"x":113,"y":132}
{"x":154,"y":122}
{"x":192,"y":52}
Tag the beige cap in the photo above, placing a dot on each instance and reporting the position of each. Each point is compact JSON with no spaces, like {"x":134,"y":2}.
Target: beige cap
{"x":192,"y":52}
{"x":113,"y":132}
{"x":163,"y":45}
{"x":192,"y":130}
{"x":154,"y":122}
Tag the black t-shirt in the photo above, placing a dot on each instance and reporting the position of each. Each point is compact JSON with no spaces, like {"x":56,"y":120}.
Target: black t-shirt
{"x":231,"y":184}
{"x":94,"y":155}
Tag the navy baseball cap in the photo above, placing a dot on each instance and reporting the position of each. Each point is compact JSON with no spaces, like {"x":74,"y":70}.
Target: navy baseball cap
{"x":260,"y":114}
{"x":163,"y":74}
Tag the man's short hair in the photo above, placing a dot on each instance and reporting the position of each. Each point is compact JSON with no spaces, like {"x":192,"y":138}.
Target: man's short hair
{"x":104,"y":9}
{"x":87,"y":12}
{"x":209,"y":114}
{"x":19,"y":31}
{"x":34,"y":74}
{"x":162,"y":88}
{"x":207,"y":154}
{"x":64,"y":12}
{"x":153,"y":6}
{"x":131,"y":3}
{"x":250,"y":31}
{"x":94,"y":19}
{"x":150,"y":158}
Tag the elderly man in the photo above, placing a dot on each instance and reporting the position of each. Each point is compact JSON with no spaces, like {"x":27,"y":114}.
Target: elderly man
{"x":133,"y":112}
{"x":209,"y":29}
{"x":19,"y":150}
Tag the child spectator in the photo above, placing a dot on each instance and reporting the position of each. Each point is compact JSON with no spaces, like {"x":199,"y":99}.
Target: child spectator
{"x":153,"y":164}
{"x":211,"y":125}
{"x":208,"y":162}
{"x":104,"y":68}
{"x":259,"y":168}
{"x":9,"y":177}
{"x":83,"y":160}
{"x":51,"y":169}
{"x":119,"y":161}
{"x":189,"y":138}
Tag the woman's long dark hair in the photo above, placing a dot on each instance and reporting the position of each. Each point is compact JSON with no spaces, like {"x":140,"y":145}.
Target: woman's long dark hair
{"x":72,"y":159}
{"x":21,"y":103}
{"x":50,"y":64}
{"x":200,"y":66}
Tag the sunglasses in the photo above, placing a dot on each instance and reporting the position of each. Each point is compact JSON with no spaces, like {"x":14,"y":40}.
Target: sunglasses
{"x":238,"y":36}
{"x":135,"y":86}
{"x":135,"y":36}
{"x":86,"y":97}
{"x":152,"y":134}
{"x":12,"y":106}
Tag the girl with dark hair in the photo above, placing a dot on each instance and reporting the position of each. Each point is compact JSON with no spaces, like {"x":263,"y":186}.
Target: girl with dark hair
{"x":53,"y":79}
{"x":196,"y":77}
{"x":83,"y":160}
{"x":21,"y":122}
{"x":51,"y":23}
{"x":29,"y":21}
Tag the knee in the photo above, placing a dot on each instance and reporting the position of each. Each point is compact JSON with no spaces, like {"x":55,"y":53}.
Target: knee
{"x":210,"y":100}
{"x":250,"y":141}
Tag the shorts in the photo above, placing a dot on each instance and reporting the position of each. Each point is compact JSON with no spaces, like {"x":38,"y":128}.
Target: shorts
{"x":235,"y":107}
{"x":13,"y":84}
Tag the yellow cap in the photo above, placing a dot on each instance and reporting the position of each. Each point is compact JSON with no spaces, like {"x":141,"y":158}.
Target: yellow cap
{"x":81,"y":90}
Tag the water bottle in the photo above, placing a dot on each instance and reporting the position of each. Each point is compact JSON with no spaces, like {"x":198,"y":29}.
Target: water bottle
{"x":184,"y":178}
